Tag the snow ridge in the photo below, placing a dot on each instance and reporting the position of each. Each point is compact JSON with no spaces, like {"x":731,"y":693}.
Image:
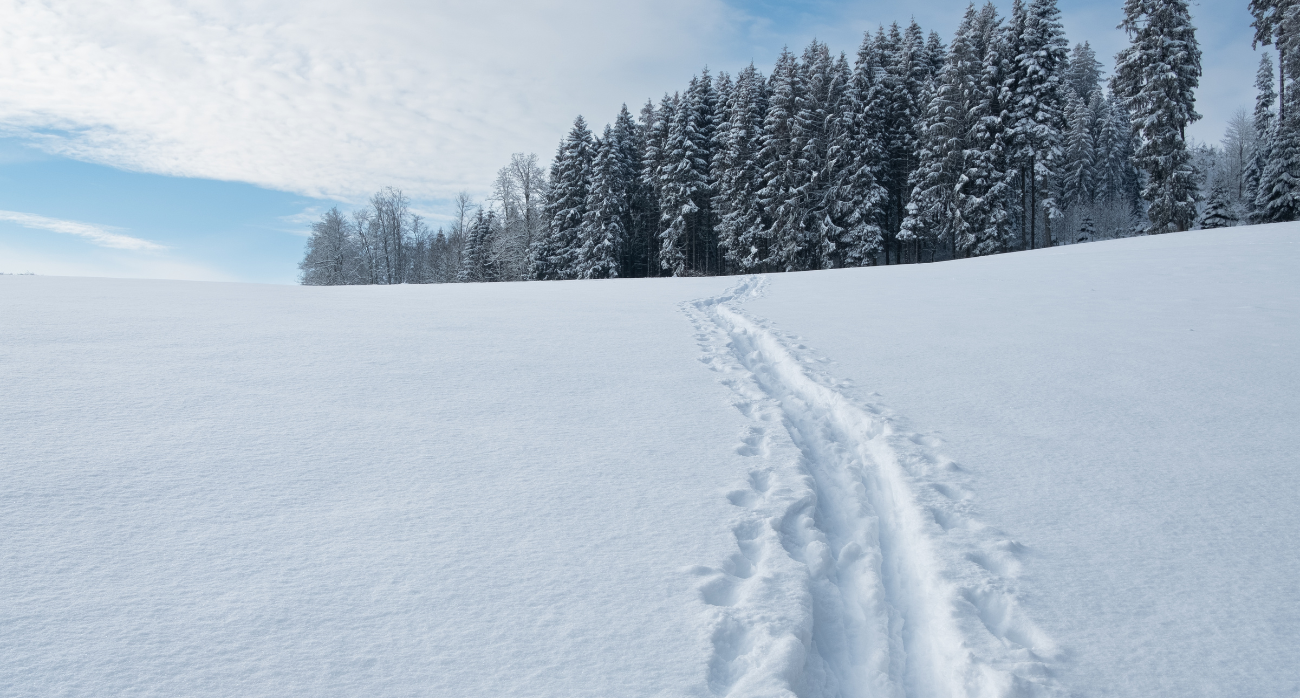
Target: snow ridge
{"x":860,"y":571}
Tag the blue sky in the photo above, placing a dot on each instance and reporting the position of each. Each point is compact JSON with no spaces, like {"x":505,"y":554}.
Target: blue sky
{"x":197,"y":139}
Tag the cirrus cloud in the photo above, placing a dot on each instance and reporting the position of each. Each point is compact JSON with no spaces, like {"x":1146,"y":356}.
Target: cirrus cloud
{"x":332,"y":99}
{"x":96,"y":234}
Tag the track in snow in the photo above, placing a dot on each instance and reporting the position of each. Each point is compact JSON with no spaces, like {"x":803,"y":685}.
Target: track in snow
{"x":860,"y":570}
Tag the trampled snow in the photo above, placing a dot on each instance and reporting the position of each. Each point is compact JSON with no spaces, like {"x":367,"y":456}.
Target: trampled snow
{"x":1062,"y":472}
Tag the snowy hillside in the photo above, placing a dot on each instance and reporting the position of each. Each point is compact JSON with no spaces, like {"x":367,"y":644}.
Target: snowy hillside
{"x":1064,"y":472}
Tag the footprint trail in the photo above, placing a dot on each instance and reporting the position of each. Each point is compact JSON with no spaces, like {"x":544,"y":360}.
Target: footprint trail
{"x":860,"y":570}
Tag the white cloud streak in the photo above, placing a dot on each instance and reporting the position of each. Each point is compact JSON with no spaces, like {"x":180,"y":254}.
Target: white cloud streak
{"x":98,"y":235}
{"x":330,"y":98}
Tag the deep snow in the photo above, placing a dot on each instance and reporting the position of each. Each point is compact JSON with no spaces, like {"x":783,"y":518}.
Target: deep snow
{"x":1065,"y":472}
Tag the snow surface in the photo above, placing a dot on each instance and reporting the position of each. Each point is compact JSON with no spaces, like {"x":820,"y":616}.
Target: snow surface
{"x":1062,"y":472}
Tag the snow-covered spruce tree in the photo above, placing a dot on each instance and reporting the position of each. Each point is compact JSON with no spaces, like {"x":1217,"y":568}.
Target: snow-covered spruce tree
{"x":935,"y":211}
{"x":837,"y":206}
{"x":637,"y":213}
{"x":566,"y":205}
{"x":1218,"y":209}
{"x":657,"y":124}
{"x":858,"y":159}
{"x":1278,"y":198}
{"x":1079,"y":176}
{"x":900,"y":107}
{"x":1264,"y":125}
{"x":1271,"y":27}
{"x":331,"y":257}
{"x":1083,"y":74}
{"x":479,"y":264}
{"x":986,"y":226}
{"x":1037,"y":114}
{"x":703,"y":245}
{"x":781,"y":171}
{"x":684,"y":188}
{"x":815,"y":103}
{"x":738,"y":174}
{"x":604,"y":226}
{"x":1156,"y":76}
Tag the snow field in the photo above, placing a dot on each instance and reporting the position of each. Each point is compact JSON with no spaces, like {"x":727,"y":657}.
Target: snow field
{"x":241,"y":490}
{"x":1062,"y":472}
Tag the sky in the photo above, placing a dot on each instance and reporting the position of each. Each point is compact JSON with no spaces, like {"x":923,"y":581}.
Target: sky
{"x":198,"y":139}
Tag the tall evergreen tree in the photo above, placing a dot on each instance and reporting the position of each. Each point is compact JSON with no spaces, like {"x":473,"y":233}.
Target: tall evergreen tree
{"x":654,"y":168}
{"x":1078,"y":184}
{"x":684,"y":183}
{"x":1083,"y":76}
{"x":1278,"y":196}
{"x":566,"y":205}
{"x":604,"y":226}
{"x":1271,"y":28}
{"x":780,"y":158}
{"x":739,"y":175}
{"x":858,"y":160}
{"x":935,"y":212}
{"x":1264,"y":126}
{"x":986,"y":208}
{"x":637,"y":211}
{"x":900,"y":104}
{"x":1157,"y":76}
{"x":1037,"y":113}
{"x":812,"y":240}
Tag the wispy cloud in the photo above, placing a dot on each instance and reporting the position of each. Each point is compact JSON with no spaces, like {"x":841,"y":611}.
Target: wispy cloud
{"x":96,"y":234}
{"x":336,"y":98}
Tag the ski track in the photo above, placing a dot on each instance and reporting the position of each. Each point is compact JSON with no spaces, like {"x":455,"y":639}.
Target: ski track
{"x":860,"y":569}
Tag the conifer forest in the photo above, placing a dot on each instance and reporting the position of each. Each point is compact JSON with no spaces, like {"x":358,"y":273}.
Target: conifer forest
{"x":910,"y":150}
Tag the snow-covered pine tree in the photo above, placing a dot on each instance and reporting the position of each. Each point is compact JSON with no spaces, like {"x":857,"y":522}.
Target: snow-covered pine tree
{"x":724,"y":89}
{"x":901,"y":105}
{"x":1270,"y":27}
{"x":566,"y":204}
{"x":1264,"y":125}
{"x":859,"y":144}
{"x":703,"y":245}
{"x":1078,"y":186}
{"x":1083,"y":75}
{"x":835,"y":208}
{"x":986,"y":207}
{"x":739,"y":173}
{"x":651,"y":126}
{"x":1218,"y":209}
{"x":934,"y":212}
{"x":637,"y":210}
{"x":604,"y":226}
{"x":479,"y":264}
{"x":1278,"y":198}
{"x":684,"y":183}
{"x":1156,"y":76}
{"x":653,"y":169}
{"x":1037,"y":114}
{"x":806,"y":238}
{"x":781,"y":175}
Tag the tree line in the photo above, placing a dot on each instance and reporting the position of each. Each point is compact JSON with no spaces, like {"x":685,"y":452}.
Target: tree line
{"x":912,"y":151}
